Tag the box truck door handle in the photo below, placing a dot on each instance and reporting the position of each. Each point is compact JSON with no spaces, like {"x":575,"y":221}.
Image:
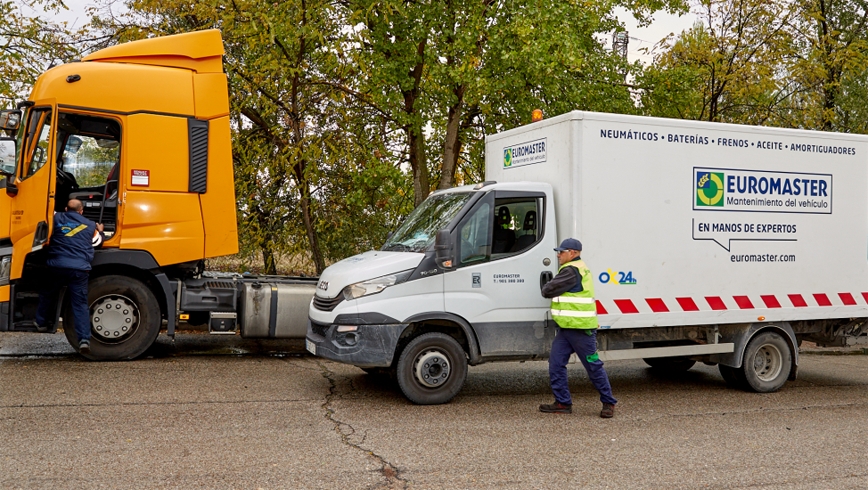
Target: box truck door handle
{"x":544,"y":277}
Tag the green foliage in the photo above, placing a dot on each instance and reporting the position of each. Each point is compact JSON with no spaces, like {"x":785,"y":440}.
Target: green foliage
{"x":31,"y":44}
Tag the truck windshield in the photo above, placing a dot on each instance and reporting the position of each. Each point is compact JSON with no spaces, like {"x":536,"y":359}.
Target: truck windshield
{"x":417,"y":232}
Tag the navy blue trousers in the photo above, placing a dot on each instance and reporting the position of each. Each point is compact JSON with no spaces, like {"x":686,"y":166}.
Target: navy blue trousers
{"x":76,"y":285}
{"x":567,"y":341}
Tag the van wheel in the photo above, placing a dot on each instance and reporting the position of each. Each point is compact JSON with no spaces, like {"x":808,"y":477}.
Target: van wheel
{"x":671,"y":364}
{"x":125,"y":319}
{"x":432,"y":369}
{"x":767,"y":362}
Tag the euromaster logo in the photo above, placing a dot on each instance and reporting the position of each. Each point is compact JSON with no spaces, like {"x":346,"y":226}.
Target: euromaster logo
{"x":527,"y":153}
{"x":709,"y":189}
{"x":761,"y":191}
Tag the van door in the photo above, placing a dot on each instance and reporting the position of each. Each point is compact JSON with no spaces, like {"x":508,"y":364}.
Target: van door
{"x":32,"y":205}
{"x":502,"y":250}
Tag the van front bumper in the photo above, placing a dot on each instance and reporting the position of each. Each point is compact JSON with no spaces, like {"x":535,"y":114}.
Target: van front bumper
{"x":367,"y":346}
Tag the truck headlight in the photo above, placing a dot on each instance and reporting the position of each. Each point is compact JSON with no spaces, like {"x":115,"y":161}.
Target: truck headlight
{"x":373,"y":286}
{"x":5,"y":268}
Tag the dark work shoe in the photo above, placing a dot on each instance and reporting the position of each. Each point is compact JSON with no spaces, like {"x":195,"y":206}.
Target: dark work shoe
{"x":556,"y":407}
{"x":84,"y":347}
{"x":608,"y":411}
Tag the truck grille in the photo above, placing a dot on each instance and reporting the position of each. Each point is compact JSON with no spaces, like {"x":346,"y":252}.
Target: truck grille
{"x":327,"y":304}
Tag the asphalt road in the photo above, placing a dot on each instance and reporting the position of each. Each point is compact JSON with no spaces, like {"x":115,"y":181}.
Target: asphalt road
{"x":208,"y":412}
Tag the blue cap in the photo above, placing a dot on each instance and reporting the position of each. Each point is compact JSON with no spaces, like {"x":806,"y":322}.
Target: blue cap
{"x":570,"y":244}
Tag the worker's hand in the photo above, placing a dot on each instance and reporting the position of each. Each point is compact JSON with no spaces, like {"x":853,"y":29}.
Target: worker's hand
{"x":99,"y":227}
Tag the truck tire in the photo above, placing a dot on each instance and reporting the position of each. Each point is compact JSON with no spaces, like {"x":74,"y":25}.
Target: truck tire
{"x":670,"y":364}
{"x":125,"y":319}
{"x":432,"y":369}
{"x":767,"y":363}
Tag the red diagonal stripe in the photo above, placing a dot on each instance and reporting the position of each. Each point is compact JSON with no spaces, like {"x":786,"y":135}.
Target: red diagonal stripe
{"x":743,"y":302}
{"x":797,"y":300}
{"x":626,"y":306}
{"x":600,"y":309}
{"x":687,"y":304}
{"x":847,"y":298}
{"x":715,"y":302}
{"x":865,"y":295}
{"x":822,"y":299}
{"x":657,"y":305}
{"x":770,"y":301}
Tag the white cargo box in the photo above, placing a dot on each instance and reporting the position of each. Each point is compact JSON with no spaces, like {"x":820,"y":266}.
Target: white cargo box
{"x":691,"y":223}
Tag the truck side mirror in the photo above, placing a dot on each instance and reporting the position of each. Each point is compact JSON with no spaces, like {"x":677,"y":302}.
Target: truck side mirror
{"x":10,"y":119}
{"x":444,"y":250}
{"x":7,"y":165}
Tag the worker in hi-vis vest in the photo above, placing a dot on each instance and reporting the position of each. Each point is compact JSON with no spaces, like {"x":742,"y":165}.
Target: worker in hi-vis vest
{"x":575,"y":312}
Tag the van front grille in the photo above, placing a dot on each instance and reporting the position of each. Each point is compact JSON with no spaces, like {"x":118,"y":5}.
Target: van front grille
{"x":327,"y":304}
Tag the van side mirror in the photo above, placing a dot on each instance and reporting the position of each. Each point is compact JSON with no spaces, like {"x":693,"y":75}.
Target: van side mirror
{"x":444,"y":250}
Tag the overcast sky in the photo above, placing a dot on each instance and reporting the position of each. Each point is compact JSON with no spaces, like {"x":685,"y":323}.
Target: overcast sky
{"x":646,"y":37}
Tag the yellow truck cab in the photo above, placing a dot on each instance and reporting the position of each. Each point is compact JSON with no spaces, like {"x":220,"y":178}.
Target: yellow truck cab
{"x":140,"y":133}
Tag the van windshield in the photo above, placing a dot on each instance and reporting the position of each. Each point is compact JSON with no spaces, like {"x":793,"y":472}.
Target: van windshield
{"x":418,"y":231}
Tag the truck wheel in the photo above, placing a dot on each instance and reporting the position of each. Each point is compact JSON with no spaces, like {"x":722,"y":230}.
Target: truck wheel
{"x":432,"y":369}
{"x":671,"y":364}
{"x":767,"y":363}
{"x":125,"y":319}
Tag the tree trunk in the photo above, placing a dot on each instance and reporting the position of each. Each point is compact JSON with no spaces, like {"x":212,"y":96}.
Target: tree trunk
{"x":315,"y":251}
{"x":452,"y":149}
{"x":415,"y":137}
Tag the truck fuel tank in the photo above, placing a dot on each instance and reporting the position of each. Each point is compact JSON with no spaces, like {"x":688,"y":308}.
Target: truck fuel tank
{"x":275,"y":309}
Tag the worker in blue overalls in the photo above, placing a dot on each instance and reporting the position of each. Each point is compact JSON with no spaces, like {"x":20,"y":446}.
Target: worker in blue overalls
{"x":70,"y":254}
{"x":575,"y":312}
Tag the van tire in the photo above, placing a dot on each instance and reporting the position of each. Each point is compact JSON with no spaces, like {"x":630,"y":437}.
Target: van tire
{"x":143,"y":312}
{"x":767,"y":363}
{"x":432,"y":369}
{"x":670,"y":364}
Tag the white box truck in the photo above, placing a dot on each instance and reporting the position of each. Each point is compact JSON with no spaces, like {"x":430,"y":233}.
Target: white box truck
{"x":708,"y":242}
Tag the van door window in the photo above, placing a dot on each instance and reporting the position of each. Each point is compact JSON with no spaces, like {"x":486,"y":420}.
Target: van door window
{"x":475,"y":236}
{"x":516,"y":225}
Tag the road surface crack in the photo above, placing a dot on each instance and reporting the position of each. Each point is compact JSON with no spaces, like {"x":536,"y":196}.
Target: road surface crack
{"x":347,"y":432}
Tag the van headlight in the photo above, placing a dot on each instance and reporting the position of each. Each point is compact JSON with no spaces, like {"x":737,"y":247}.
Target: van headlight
{"x":374,"y":286}
{"x":5,"y":268}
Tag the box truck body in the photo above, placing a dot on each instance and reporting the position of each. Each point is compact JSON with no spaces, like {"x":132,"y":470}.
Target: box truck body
{"x":701,"y":223}
{"x":707,"y":242}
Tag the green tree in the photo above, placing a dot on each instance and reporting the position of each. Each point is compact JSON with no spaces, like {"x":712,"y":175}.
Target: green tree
{"x":30,"y":44}
{"x":726,"y":68}
{"x":832,"y":36}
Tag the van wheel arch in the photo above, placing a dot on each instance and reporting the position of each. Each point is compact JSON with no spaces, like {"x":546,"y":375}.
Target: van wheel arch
{"x":445,"y":323}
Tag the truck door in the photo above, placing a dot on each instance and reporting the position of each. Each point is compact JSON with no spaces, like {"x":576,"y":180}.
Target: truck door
{"x":503,"y":247}
{"x":33,"y":202}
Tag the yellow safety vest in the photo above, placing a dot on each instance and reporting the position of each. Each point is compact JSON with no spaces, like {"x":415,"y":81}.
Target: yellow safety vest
{"x":576,"y":310}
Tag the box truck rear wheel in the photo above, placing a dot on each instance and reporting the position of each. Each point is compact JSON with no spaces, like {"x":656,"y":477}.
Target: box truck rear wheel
{"x":767,"y":362}
{"x":671,"y":364}
{"x":125,"y":318}
{"x":432,"y":369}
